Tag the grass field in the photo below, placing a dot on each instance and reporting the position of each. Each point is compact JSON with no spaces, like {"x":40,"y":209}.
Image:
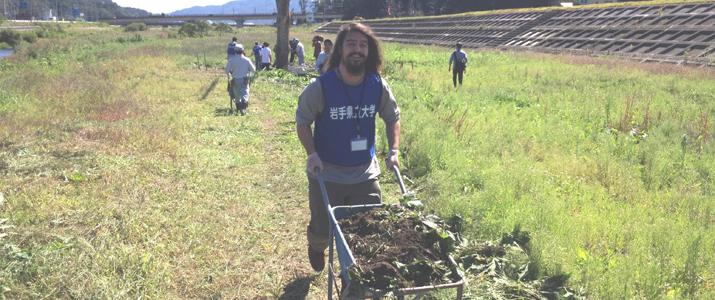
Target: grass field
{"x":124,"y":176}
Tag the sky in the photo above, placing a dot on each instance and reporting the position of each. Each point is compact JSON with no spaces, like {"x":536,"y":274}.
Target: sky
{"x":167,"y":6}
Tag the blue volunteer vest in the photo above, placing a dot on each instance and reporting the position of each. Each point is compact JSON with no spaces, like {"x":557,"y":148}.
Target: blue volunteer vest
{"x":347,"y":108}
{"x":230,"y":50}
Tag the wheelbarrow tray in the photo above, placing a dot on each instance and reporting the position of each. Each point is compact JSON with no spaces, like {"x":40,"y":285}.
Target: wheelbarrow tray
{"x":347,"y":260}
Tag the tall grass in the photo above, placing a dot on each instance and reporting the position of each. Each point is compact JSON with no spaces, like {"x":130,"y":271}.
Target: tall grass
{"x":598,"y":162}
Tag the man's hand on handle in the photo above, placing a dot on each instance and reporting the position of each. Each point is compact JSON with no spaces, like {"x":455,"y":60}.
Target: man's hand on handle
{"x":392,"y":159}
{"x":314,"y":163}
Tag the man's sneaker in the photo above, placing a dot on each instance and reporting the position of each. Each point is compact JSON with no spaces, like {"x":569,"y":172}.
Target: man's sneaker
{"x":317,"y":259}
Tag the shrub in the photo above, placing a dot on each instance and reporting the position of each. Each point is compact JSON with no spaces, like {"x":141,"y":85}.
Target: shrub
{"x":42,"y":33}
{"x":49,"y":30}
{"x":194,"y":29}
{"x":59,"y":28}
{"x":223,"y":27}
{"x":12,"y":38}
{"x":134,"y":39}
{"x":29,"y":37}
{"x":137,"y":38}
{"x":135,"y":27}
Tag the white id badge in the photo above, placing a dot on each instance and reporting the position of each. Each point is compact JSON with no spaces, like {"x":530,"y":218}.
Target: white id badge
{"x":358,"y":144}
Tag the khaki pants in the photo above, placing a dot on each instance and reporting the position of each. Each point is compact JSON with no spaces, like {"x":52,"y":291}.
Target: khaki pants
{"x":367,"y":192}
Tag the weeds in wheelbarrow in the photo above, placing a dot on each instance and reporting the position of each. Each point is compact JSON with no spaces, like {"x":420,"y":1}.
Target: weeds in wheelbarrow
{"x":397,"y":247}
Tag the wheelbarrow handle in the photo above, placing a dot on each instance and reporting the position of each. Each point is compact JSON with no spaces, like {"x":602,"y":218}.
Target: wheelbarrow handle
{"x":398,"y":175}
{"x":331,"y":233}
{"x":323,"y":191}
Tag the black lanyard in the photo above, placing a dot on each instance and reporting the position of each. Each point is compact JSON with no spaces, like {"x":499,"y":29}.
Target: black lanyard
{"x":350,"y":101}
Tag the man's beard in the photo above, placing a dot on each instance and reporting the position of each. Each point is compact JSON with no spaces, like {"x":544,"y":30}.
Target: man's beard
{"x":355,"y":67}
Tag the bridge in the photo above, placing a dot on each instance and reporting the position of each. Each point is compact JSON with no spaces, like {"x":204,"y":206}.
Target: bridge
{"x":238,"y":18}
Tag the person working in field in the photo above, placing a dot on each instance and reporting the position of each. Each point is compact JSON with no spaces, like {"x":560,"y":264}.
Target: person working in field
{"x":343,"y":104}
{"x":300,"y":51}
{"x":292,"y":44}
{"x":230,"y":52}
{"x":239,"y":70}
{"x":266,"y":57}
{"x":230,"y":48}
{"x":322,"y":59}
{"x":459,"y":58}
{"x":257,"y":53}
{"x":317,"y":46}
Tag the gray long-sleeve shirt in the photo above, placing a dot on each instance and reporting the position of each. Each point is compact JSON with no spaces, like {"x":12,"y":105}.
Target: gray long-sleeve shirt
{"x":240,"y":66}
{"x":311,"y":105}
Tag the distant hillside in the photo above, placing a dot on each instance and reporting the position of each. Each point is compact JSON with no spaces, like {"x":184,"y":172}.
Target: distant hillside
{"x":132,"y":12}
{"x":68,"y":9}
{"x":237,"y":7}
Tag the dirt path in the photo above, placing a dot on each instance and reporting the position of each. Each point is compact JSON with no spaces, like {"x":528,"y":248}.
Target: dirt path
{"x":286,"y":196}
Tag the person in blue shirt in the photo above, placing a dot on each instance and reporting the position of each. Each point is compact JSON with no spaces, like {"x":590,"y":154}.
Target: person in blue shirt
{"x":341,"y":107}
{"x":230,"y":49}
{"x":257,"y":53}
{"x":459,"y":58}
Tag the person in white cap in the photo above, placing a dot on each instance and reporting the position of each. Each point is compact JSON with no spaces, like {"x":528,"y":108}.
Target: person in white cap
{"x":239,"y":70}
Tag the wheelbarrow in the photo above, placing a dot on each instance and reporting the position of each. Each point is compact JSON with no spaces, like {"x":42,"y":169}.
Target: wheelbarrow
{"x":347,"y":260}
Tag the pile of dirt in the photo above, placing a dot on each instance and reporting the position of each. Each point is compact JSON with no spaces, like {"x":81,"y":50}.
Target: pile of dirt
{"x":398,"y":248}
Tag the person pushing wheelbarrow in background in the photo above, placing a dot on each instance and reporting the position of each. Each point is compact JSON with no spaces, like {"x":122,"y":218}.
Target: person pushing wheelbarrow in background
{"x":239,"y":70}
{"x":343,"y":104}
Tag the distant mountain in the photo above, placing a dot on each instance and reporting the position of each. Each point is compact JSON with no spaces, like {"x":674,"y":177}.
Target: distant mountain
{"x":237,"y":7}
{"x":132,"y":12}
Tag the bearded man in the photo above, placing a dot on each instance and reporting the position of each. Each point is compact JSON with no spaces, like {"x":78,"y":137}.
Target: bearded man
{"x":343,"y":104}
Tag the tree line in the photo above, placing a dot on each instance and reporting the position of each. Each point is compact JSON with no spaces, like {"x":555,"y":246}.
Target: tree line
{"x":66,"y":9}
